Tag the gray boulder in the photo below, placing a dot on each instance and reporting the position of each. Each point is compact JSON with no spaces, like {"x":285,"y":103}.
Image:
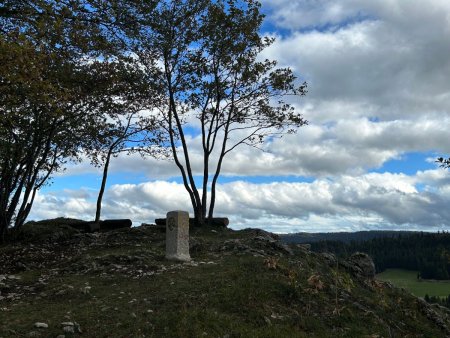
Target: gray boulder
{"x":361,"y":265}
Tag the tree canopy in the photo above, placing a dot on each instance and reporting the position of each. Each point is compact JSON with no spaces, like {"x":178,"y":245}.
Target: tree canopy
{"x":444,"y":162}
{"x":211,"y":73}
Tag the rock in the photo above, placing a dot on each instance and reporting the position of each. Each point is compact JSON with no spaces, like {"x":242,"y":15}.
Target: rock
{"x":40,"y":325}
{"x":304,"y":247}
{"x":80,"y":225}
{"x":216,"y":222}
{"x":361,"y":264}
{"x":112,"y":224}
{"x":61,"y":336}
{"x":260,"y":232}
{"x":108,"y":225}
{"x":264,"y":238}
{"x":67,"y":324}
{"x":273,"y":243}
{"x":69,"y":329}
{"x":330,"y":258}
{"x":12,"y":277}
{"x":433,"y":315}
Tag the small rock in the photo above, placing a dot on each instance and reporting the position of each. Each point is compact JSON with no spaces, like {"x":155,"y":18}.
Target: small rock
{"x":12,"y":277}
{"x":77,"y":327}
{"x":61,"y":336}
{"x":305,"y":247}
{"x":67,"y":324}
{"x":330,"y":258}
{"x":86,"y":290}
{"x":41,"y":325}
{"x":69,"y":329}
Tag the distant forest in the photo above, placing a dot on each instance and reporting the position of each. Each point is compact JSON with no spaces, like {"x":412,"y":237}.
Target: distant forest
{"x":428,"y":253}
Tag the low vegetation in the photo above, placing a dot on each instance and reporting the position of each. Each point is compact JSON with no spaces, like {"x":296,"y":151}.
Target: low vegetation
{"x":239,"y":284}
{"x":419,"y":287}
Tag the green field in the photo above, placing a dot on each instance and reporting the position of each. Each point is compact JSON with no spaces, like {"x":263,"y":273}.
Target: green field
{"x":407,"y":279}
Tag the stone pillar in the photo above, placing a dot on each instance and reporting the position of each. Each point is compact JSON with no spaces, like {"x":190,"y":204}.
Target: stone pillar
{"x":177,"y":236}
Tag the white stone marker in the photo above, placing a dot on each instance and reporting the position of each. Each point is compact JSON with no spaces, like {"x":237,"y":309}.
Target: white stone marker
{"x":177,"y":236}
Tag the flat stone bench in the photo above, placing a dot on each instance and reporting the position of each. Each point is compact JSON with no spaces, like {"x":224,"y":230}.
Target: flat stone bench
{"x":106,"y":225}
{"x":216,"y":221}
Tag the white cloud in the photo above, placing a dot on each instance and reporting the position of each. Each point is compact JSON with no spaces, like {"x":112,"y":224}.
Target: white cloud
{"x":346,"y":202}
{"x":395,"y":64}
{"x":378,"y":88}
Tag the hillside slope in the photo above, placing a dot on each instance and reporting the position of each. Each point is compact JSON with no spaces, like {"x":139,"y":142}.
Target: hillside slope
{"x":239,"y":284}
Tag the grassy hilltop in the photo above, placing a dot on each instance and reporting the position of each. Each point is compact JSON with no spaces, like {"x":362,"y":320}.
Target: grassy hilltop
{"x":239,"y":284}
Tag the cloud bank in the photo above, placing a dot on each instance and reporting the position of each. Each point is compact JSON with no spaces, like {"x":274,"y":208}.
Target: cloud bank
{"x":378,"y":91}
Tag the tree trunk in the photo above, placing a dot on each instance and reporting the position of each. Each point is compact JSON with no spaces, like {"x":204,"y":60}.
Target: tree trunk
{"x":213,"y":188}
{"x":218,"y":169}
{"x":3,"y":228}
{"x":102,"y":187}
{"x":205,"y":188}
{"x":27,"y":210}
{"x":188,"y":178}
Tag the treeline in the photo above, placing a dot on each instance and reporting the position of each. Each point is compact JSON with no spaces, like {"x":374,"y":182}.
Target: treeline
{"x":438,"y":300}
{"x":429,"y":253}
{"x":307,"y":237}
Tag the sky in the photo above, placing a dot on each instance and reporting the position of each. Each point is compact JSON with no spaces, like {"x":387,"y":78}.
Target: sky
{"x":378,"y":107}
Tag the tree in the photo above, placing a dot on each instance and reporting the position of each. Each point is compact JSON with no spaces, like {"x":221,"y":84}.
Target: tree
{"x":53,"y":90}
{"x":46,"y":116}
{"x":132,"y":132}
{"x":212,"y":73}
{"x":444,"y":162}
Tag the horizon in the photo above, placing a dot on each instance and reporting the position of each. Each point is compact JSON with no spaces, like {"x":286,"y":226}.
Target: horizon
{"x":378,"y":107}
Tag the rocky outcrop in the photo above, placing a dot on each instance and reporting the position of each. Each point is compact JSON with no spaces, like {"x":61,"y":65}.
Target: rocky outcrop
{"x":435,"y":316}
{"x":361,"y":265}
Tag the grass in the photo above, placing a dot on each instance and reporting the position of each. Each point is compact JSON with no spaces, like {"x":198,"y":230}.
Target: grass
{"x":407,"y":279}
{"x":227,"y":292}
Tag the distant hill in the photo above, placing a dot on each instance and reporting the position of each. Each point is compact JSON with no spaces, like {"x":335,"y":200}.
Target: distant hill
{"x":346,"y":237}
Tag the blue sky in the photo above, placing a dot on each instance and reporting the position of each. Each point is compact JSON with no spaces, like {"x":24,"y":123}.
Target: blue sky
{"x":379,"y":112}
